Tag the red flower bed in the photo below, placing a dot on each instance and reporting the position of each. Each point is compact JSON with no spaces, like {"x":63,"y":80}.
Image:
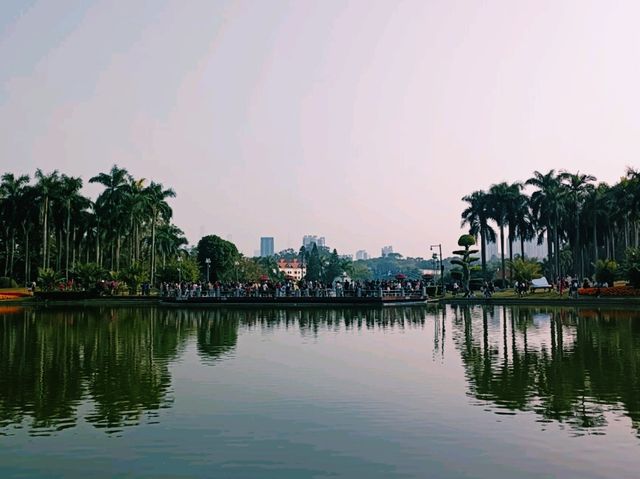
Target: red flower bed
{"x":13,"y":295}
{"x":615,"y":292}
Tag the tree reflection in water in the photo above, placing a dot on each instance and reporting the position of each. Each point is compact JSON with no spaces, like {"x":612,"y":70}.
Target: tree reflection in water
{"x":115,"y":361}
{"x":575,"y":366}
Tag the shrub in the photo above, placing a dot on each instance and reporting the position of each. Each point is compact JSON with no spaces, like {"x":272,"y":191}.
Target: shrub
{"x":48,"y":278}
{"x":606,"y":271}
{"x":7,"y":282}
{"x":632,"y":266}
{"x":525,"y":270}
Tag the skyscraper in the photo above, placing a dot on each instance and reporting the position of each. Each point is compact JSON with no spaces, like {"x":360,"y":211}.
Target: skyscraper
{"x":266,"y":246}
{"x":361,"y":254}
{"x":309,"y":240}
{"x":386,"y":250}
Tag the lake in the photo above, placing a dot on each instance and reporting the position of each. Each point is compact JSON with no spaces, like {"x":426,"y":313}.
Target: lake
{"x":442,"y":392}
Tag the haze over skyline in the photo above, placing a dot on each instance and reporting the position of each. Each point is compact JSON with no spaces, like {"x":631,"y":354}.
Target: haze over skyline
{"x":362,"y":121}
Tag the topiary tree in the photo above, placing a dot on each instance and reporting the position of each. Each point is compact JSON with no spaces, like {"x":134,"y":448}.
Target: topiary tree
{"x":465,"y":262}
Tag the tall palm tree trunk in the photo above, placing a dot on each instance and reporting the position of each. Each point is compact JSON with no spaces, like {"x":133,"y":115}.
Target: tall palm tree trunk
{"x":13,"y":249}
{"x":153,"y":246}
{"x":26,"y":255}
{"x":45,"y":228}
{"x":502,"y":254}
{"x":66,"y":247}
{"x":483,"y":253}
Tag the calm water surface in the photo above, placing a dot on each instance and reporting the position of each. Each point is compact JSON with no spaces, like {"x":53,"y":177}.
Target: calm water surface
{"x":355,"y":393}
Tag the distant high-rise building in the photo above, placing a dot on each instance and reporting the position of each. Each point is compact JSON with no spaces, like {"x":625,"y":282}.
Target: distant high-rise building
{"x":266,"y":246}
{"x":362,"y":254}
{"x":387,"y":250}
{"x":531,"y":249}
{"x":309,"y":240}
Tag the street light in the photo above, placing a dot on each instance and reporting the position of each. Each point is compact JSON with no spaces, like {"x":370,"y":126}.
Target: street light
{"x":439,"y":246}
{"x":237,"y":263}
{"x":208,"y":261}
{"x":179,"y":269}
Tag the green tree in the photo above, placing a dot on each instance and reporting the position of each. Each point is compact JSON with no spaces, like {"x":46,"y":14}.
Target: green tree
{"x":477,"y":216}
{"x":578,"y":188}
{"x":314,"y":266}
{"x":223,"y":255}
{"x":334,"y":267}
{"x":525,"y":270}
{"x":547,"y":205}
{"x":12,"y":190}
{"x":158,"y":208}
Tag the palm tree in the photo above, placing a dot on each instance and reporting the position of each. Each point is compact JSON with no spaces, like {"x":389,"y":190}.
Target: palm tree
{"x":155,"y":197}
{"x":48,"y":186}
{"x":500,"y":197}
{"x":12,"y":188}
{"x":477,"y":216}
{"x":524,"y":226}
{"x":70,"y":191}
{"x":578,"y":187}
{"x":514,"y":201}
{"x":547,"y":205}
{"x":169,"y":239}
{"x":111,"y":206}
{"x":29,"y":211}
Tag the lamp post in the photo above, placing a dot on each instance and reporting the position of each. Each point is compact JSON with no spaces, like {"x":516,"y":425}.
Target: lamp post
{"x":179,"y":269}
{"x":439,"y":246}
{"x":208,"y":261}
{"x":237,"y":263}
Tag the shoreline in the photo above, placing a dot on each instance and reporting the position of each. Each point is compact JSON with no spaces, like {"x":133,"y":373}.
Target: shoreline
{"x":156,"y":301}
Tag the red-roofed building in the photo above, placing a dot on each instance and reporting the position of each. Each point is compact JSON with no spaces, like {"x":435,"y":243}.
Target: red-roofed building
{"x":292,"y":268}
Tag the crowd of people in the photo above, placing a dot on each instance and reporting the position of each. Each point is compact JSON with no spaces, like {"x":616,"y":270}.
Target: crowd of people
{"x":293,"y":288}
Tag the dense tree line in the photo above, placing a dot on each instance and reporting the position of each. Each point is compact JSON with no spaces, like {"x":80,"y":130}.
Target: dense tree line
{"x":580,"y":220}
{"x":48,"y":224}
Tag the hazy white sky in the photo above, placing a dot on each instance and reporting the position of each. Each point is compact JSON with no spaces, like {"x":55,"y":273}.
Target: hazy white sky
{"x":362,"y":121}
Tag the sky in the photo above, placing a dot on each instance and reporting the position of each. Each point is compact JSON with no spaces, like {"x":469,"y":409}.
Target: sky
{"x":362,"y":121}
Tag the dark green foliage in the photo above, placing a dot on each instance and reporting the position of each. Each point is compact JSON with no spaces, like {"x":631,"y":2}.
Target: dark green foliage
{"x":606,"y":270}
{"x":133,"y":276}
{"x":314,"y":266}
{"x":7,"y":282}
{"x":187,"y":269}
{"x":88,"y":274}
{"x":223,"y":255}
{"x":48,"y":279}
{"x":334,"y":268}
{"x":632,"y":267}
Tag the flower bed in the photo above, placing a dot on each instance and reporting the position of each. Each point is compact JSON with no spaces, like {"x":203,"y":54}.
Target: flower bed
{"x":615,"y":292}
{"x":13,"y":294}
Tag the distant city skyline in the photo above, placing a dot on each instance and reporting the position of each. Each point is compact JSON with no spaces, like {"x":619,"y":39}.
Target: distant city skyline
{"x":365,"y":121}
